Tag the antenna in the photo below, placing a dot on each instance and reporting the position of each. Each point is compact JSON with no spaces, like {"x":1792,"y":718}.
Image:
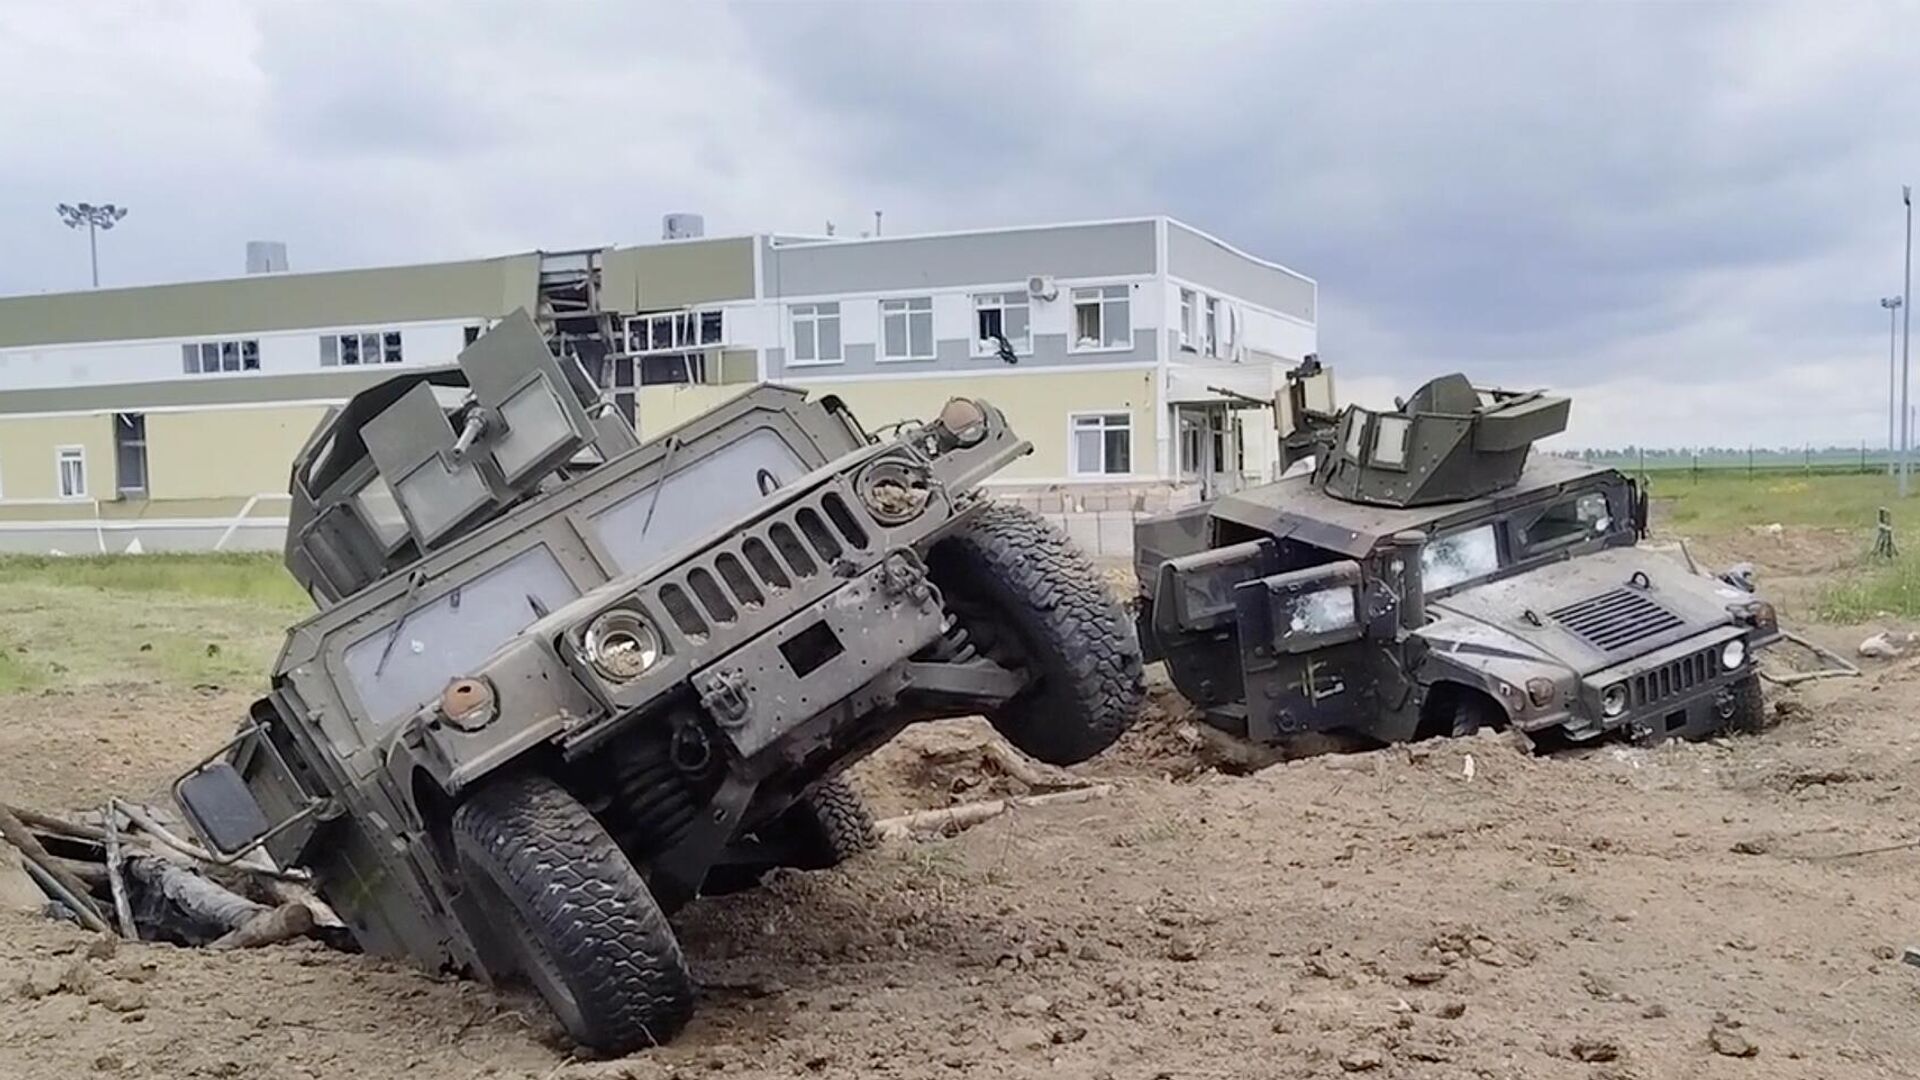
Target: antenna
{"x":876,"y":223}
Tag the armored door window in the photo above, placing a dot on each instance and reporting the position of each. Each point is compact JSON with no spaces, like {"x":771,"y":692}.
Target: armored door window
{"x":1569,"y":521}
{"x":1462,"y":556}
{"x":1303,"y":611}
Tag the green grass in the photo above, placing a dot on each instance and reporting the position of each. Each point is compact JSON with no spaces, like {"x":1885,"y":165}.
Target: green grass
{"x":1730,"y":504}
{"x":173,"y":620}
{"x":256,"y":578}
{"x":1726,"y":502}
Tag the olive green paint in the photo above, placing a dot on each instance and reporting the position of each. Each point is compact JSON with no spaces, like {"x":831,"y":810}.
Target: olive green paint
{"x":680,"y":274}
{"x":476,"y":288}
{"x":335,"y":385}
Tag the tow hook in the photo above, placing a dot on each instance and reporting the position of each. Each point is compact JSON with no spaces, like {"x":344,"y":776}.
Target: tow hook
{"x":1724,"y":703}
{"x":724,"y":694}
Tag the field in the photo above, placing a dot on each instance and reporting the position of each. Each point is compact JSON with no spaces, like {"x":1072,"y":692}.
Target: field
{"x":1450,"y":910}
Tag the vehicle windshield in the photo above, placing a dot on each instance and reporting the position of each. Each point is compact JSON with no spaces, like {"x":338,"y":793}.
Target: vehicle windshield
{"x":1462,"y":556}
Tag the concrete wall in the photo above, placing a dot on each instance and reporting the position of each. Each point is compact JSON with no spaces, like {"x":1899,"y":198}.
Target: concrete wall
{"x":265,"y":302}
{"x":833,"y":267}
{"x":225,"y":452}
{"x":1197,"y":257}
{"x":29,"y":447}
{"x":679,"y":274}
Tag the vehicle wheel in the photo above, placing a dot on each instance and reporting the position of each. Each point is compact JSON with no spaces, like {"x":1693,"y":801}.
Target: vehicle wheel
{"x":573,"y":913}
{"x":828,"y":826}
{"x":1749,"y":707}
{"x":1031,"y":599}
{"x":1473,"y":712}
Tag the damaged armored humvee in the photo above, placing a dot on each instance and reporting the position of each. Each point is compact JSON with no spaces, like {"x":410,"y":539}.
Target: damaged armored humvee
{"x":1431,"y":577}
{"x":562,"y":682}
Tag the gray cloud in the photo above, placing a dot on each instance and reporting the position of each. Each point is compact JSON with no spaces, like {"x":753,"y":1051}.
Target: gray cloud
{"x":1697,"y":202}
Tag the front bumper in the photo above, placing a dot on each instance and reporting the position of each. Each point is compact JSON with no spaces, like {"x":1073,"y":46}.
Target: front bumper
{"x":845,"y":649}
{"x":1681,"y":691}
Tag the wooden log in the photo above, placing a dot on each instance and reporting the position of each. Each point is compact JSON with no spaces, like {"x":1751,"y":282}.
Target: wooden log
{"x":953,"y":819}
{"x":29,"y":847}
{"x":47,"y":823}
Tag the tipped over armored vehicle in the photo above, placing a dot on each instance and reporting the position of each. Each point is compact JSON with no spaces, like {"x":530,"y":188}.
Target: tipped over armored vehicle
{"x":1432,"y":576}
{"x":562,"y":682}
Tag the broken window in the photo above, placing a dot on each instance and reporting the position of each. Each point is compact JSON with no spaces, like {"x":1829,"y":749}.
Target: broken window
{"x":1102,"y":318}
{"x":675,"y":331}
{"x":130,"y":453}
{"x":1460,"y":557}
{"x":215,"y":357}
{"x":998,"y":315}
{"x":1211,"y":338}
{"x":1186,"y":318}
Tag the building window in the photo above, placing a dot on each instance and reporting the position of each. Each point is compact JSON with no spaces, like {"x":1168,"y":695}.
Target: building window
{"x":357,"y":349}
{"x":130,"y":453}
{"x":1102,"y":444}
{"x":71,"y":461}
{"x":1186,"y":318}
{"x":1102,"y":318}
{"x":674,"y":331}
{"x":906,"y":329}
{"x":816,"y":333}
{"x":625,"y":401}
{"x":216,"y":357}
{"x":998,"y":315}
{"x":672,"y":369}
{"x":1211,"y":341}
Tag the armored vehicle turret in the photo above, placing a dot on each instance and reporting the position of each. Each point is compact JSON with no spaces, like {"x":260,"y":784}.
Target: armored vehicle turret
{"x":1435,"y":574}
{"x":562,"y":682}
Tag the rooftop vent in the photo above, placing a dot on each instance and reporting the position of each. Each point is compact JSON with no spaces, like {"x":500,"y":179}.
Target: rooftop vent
{"x":682,"y":227}
{"x":266,"y":256}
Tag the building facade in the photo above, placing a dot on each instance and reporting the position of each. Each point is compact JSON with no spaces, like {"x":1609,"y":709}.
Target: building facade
{"x":1130,"y":353}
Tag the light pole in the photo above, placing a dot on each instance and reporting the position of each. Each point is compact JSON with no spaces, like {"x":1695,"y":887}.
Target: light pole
{"x":1906,"y":341}
{"x":94,"y":218}
{"x":1893,"y":305}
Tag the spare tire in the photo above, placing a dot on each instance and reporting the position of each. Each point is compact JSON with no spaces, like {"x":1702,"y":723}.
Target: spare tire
{"x":1031,"y":599}
{"x":571,"y":913}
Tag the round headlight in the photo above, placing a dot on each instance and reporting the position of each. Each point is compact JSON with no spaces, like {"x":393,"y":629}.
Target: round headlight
{"x":893,"y":491}
{"x":1733,"y":654}
{"x":1613,"y":700}
{"x":622,"y":645}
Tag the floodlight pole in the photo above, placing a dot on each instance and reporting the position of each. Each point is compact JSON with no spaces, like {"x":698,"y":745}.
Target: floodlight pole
{"x":1893,"y":305}
{"x":1906,"y":342}
{"x":94,"y":218}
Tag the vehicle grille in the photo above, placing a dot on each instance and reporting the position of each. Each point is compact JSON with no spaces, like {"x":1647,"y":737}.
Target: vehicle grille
{"x":799,"y":543}
{"x":1674,"y":678}
{"x":1617,"y":619}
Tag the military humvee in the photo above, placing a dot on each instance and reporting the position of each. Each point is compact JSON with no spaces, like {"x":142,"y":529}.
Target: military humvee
{"x":1430,"y":576}
{"x":562,"y":682}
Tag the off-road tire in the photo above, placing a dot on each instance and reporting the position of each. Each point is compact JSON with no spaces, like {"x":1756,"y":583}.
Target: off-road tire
{"x":1068,"y":631}
{"x":1472,"y":712}
{"x":1749,"y":707}
{"x":573,"y":913}
{"x":828,"y":825}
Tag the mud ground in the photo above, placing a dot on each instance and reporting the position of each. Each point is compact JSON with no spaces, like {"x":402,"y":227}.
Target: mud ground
{"x":1686,"y":911}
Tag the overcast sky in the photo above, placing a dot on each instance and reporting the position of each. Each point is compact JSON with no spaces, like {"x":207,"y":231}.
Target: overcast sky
{"x":1683,"y":214}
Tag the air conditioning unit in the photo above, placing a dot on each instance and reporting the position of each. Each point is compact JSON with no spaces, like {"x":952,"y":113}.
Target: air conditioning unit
{"x":1042,"y":287}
